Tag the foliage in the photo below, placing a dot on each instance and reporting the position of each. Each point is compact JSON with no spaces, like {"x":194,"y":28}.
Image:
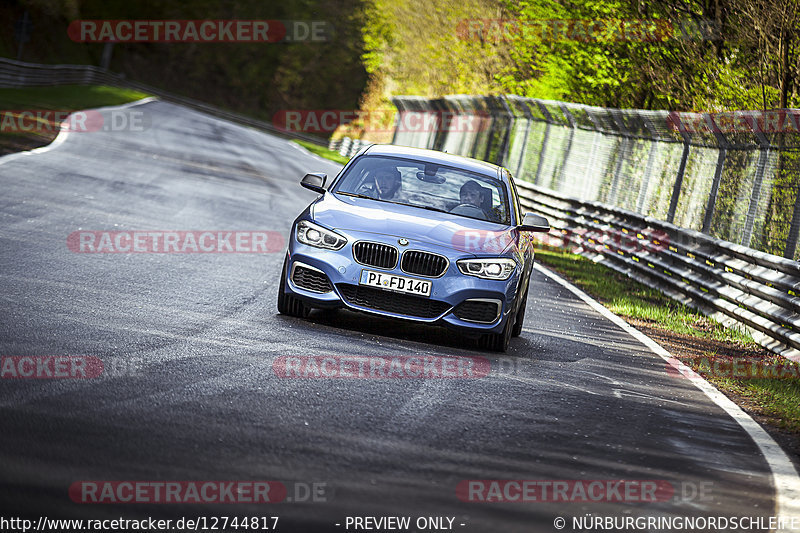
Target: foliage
{"x":259,"y":79}
{"x":321,"y":151}
{"x":706,"y":55}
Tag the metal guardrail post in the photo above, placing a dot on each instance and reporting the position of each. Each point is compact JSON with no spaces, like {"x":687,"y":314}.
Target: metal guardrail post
{"x":651,"y":160}
{"x":794,"y":230}
{"x":444,"y":124}
{"x":755,"y":196}
{"x":676,"y":189}
{"x":648,"y":172}
{"x":712,"y":195}
{"x":490,"y":136}
{"x":502,"y":151}
{"x":431,"y":109}
{"x":622,"y":156}
{"x":524,"y":151}
{"x":397,"y":122}
{"x":543,"y":151}
{"x":476,"y":140}
{"x":564,"y":160}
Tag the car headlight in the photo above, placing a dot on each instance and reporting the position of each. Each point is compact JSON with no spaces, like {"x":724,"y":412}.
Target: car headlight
{"x":319,"y":237}
{"x":489,"y":268}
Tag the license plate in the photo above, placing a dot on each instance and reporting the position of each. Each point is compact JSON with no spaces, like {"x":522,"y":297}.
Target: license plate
{"x":395,"y":283}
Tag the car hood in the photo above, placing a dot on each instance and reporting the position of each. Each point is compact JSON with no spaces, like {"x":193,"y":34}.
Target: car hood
{"x":413,"y":223}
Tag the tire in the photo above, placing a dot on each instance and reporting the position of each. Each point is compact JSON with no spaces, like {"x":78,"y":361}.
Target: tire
{"x":521,"y":314}
{"x":288,"y":304}
{"x":498,"y":342}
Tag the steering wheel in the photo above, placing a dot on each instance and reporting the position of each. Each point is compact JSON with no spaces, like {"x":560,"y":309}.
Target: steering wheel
{"x":366,"y":190}
{"x":469,"y":210}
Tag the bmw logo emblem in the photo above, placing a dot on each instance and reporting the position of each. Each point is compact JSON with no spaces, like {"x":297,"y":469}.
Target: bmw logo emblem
{"x":403,"y":242}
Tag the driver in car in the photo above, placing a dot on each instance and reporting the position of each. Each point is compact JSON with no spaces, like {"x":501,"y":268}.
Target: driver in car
{"x":472,"y":194}
{"x":383,"y":185}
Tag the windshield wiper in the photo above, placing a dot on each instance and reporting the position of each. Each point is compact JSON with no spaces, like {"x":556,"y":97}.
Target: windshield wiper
{"x":429,"y":208}
{"x":356,"y":195}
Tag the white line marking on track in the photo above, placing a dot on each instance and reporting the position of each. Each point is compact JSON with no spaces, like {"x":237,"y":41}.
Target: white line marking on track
{"x":62,"y":135}
{"x":784,"y":475}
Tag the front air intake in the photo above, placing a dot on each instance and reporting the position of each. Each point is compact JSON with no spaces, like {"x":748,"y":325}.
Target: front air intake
{"x":375,"y":254}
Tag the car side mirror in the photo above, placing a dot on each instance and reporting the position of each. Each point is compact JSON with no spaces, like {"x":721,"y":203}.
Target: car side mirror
{"x":314,"y":181}
{"x":534,"y":222}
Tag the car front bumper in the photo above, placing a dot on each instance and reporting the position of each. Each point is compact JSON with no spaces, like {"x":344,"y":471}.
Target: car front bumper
{"x":448,"y":292}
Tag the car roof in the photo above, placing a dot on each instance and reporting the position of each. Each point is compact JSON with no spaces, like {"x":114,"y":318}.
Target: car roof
{"x":433,"y":156}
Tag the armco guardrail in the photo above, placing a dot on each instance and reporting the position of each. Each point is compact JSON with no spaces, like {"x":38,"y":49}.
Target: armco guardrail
{"x":17,"y":74}
{"x":660,"y":196}
{"x":346,"y":146}
{"x":729,"y":281}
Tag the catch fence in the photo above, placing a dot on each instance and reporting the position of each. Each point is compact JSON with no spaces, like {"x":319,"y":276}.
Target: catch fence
{"x":733,"y":176}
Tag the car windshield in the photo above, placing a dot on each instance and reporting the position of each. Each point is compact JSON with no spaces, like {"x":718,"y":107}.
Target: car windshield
{"x":426,"y":185}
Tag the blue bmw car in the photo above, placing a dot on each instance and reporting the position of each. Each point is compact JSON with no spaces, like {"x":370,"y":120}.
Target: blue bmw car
{"x":415,"y":235}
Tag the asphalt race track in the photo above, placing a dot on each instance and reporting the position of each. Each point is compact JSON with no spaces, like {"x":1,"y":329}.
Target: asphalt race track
{"x":188,"y":343}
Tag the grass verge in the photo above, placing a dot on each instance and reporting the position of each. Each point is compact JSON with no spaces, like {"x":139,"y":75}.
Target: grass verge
{"x":322,"y":151}
{"x":766,"y":385}
{"x":60,"y":98}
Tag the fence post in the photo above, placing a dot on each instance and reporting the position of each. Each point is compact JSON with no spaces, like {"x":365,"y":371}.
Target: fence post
{"x":571,"y":121}
{"x":651,"y":159}
{"x":712,"y":195}
{"x":398,"y":119}
{"x":549,"y":120}
{"x":755,"y":196}
{"x":648,"y":172}
{"x":476,"y":141}
{"x":502,"y":151}
{"x":794,"y":229}
{"x":442,"y":124}
{"x":676,"y":189}
{"x":492,"y":127}
{"x":524,"y":151}
{"x":105,"y":59}
{"x":622,"y":155}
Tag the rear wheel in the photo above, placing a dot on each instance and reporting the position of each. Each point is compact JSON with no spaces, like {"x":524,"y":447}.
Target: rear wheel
{"x":498,"y":342}
{"x":288,"y":304}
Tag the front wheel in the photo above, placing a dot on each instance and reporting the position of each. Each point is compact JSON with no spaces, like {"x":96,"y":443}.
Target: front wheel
{"x":521,"y":314}
{"x":498,"y":342}
{"x":288,"y":304}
